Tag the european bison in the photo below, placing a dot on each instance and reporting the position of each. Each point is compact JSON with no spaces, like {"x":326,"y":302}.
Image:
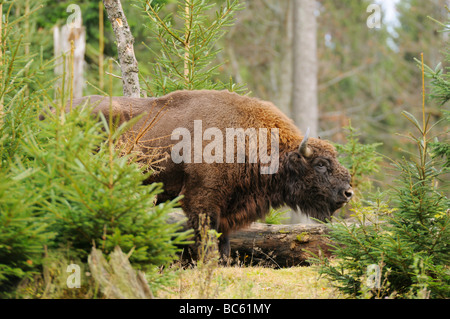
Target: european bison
{"x":233,"y":157}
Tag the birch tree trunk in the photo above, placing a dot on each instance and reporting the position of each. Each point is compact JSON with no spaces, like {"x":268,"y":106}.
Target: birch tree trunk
{"x":304,"y":94}
{"x":125,"y":40}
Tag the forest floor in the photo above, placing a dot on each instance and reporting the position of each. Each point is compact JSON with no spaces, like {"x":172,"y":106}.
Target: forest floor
{"x":250,"y":282}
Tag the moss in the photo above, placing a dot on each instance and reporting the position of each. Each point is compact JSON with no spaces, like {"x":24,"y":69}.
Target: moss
{"x":303,"y":237}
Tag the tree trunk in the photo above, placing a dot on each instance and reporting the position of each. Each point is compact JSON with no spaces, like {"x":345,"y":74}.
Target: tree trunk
{"x":304,"y":94}
{"x":274,"y":245}
{"x":62,"y":40}
{"x":116,"y":278}
{"x":125,"y":40}
{"x":279,"y":245}
{"x":284,"y":66}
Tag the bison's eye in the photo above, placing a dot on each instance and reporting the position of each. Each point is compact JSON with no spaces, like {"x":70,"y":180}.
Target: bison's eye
{"x":321,"y":167}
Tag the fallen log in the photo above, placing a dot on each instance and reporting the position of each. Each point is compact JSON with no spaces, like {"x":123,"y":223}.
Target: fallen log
{"x":274,"y":245}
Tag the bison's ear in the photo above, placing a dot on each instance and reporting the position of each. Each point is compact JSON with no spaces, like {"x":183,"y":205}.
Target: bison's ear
{"x":295,"y":163}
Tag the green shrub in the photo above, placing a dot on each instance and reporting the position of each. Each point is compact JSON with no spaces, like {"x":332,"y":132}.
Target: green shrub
{"x":360,"y":159}
{"x":187,"y":44}
{"x":65,"y":185}
{"x":407,"y":245}
{"x":275,"y":217}
{"x":95,"y":196}
{"x":23,"y":231}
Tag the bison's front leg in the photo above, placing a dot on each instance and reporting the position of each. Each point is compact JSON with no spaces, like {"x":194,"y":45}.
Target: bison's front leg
{"x":203,"y":207}
{"x":202,"y":220}
{"x":224,"y":241}
{"x":224,"y":247}
{"x":202,"y":223}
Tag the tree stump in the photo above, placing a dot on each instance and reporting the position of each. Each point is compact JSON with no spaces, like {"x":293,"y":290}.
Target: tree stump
{"x":274,"y":245}
{"x":116,"y":278}
{"x":62,"y":41}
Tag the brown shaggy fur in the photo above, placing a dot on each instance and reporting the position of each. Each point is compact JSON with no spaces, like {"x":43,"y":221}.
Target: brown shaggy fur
{"x":233,"y":195}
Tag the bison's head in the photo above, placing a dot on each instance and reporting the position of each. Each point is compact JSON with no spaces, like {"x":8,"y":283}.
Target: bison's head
{"x":314,"y":179}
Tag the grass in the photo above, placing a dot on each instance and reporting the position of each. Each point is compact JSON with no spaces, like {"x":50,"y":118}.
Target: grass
{"x":205,"y":280}
{"x":250,"y":282}
{"x":208,"y":279}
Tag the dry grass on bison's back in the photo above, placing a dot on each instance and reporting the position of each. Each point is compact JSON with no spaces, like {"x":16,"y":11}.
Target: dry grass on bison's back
{"x":252,"y":282}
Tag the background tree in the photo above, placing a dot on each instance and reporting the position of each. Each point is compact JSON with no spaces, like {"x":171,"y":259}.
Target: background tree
{"x":305,"y":67}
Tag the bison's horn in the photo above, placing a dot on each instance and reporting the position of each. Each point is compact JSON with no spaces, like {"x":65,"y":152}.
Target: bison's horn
{"x":303,"y":148}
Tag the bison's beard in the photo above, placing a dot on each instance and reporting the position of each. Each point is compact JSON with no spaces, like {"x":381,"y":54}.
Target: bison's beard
{"x":319,"y":209}
{"x":301,"y":194}
{"x":323,"y":214}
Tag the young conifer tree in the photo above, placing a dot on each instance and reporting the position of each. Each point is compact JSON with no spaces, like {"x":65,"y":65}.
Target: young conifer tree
{"x":23,"y":230}
{"x":187,"y":45}
{"x":66,"y":185}
{"x":400,"y":251}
